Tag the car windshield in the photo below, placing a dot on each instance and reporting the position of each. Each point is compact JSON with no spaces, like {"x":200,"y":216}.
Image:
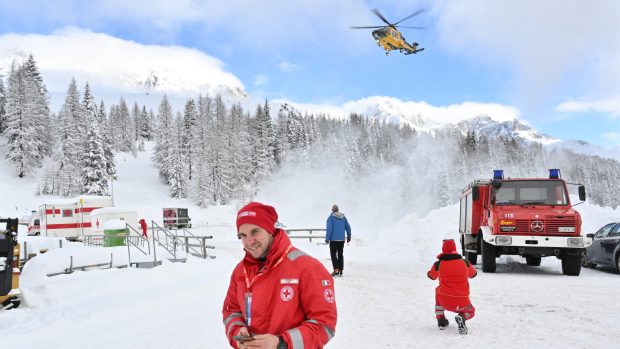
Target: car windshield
{"x":543,"y":192}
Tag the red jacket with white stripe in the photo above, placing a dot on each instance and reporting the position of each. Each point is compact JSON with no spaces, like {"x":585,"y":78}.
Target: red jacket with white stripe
{"x":294,"y":299}
{"x":453,"y":272}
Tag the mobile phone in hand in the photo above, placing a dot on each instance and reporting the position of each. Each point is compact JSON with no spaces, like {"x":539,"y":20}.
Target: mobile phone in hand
{"x":242,"y":338}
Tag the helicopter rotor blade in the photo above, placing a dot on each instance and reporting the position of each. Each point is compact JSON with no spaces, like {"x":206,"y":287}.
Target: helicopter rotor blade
{"x":381,"y":26}
{"x":376,"y":12}
{"x":402,"y":26}
{"x":411,"y":15}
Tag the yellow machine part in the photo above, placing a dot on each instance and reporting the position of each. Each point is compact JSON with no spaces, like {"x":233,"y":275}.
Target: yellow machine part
{"x":16,"y":273}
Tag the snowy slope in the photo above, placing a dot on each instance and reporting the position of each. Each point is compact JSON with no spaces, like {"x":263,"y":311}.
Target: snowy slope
{"x":384,"y":298}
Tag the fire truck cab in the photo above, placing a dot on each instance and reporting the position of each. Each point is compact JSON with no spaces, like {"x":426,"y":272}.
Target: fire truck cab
{"x":529,"y":217}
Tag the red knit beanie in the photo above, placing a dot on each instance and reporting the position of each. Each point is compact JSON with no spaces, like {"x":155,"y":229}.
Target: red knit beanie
{"x":449,"y":246}
{"x":256,"y":213}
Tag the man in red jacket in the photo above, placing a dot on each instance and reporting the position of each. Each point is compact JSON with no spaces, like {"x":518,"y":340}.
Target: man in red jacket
{"x":278,"y":297}
{"x":452,"y":294}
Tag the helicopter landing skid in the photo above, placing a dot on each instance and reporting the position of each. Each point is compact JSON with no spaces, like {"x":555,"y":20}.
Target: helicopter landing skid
{"x":413,"y":52}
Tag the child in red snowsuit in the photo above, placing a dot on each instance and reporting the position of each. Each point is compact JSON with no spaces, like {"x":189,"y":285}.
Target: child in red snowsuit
{"x":452,"y":294}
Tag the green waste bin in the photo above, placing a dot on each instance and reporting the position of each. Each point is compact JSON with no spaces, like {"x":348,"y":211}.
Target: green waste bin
{"x":112,"y":237}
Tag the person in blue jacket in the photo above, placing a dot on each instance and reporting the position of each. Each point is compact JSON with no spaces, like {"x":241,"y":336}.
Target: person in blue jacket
{"x":336,"y":226}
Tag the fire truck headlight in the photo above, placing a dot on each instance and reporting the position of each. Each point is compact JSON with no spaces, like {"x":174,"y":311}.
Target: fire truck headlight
{"x":503,"y":240}
{"x":574,"y":242}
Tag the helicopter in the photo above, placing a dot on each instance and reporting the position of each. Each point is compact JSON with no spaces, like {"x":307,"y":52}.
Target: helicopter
{"x":390,"y":38}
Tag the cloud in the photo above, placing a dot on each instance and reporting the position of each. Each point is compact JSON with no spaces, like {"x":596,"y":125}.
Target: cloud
{"x":260,"y":80}
{"x":547,"y":45}
{"x":288,"y":67}
{"x":307,"y":22}
{"x":608,"y":105}
{"x":613,"y":137}
{"x":117,"y":65}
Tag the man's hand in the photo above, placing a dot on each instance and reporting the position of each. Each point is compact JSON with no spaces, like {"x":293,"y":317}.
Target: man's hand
{"x":242,"y":332}
{"x":261,"y":341}
{"x":326,"y":241}
{"x":348,"y":240}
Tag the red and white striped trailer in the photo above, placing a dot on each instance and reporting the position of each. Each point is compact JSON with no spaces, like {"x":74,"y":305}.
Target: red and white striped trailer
{"x":70,"y":218}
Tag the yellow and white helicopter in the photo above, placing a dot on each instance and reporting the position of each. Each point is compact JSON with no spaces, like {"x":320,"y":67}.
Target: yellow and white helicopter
{"x":390,"y":38}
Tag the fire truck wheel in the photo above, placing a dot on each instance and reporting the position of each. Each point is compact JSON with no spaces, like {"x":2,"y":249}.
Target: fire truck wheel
{"x":488,"y":257}
{"x":533,"y":260}
{"x":571,"y":264}
{"x":470,"y":256}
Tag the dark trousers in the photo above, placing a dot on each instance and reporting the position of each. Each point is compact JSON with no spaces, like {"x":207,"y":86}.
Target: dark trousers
{"x":335,"y":249}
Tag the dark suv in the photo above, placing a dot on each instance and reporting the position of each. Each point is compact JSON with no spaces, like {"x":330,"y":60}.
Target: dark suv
{"x":605,"y":248}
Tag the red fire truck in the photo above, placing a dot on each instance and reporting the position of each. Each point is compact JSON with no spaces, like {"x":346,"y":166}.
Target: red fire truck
{"x":529,"y":217}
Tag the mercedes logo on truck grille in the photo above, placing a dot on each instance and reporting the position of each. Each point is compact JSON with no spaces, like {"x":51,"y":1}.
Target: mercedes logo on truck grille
{"x":537,"y":226}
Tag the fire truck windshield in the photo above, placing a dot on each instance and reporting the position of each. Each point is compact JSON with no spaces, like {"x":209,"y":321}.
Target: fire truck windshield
{"x":541,"y":192}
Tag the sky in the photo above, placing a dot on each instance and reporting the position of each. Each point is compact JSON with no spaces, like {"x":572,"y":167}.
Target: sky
{"x":179,"y":304}
{"x":552,"y":64}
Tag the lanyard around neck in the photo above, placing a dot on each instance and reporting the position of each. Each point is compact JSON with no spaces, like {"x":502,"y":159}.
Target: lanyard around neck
{"x":248,"y":282}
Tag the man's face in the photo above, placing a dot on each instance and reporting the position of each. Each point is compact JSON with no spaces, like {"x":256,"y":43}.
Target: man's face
{"x":256,"y":240}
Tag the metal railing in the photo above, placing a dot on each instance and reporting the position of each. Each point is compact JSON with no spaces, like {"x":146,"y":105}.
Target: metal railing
{"x":141,"y":239}
{"x":72,"y":268}
{"x":102,"y":240}
{"x":309,"y":236}
{"x":169,"y":242}
{"x":202,"y":245}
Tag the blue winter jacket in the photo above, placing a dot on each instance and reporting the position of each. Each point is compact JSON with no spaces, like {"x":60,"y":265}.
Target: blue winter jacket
{"x":336,"y":225}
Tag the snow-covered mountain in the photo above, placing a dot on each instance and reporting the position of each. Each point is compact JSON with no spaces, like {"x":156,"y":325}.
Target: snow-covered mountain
{"x":490,"y":120}
{"x":584,"y":147}
{"x":485,"y":125}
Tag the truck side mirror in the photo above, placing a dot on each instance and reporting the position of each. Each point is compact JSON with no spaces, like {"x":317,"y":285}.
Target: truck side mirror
{"x":475,"y":193}
{"x":495,"y":184}
{"x":582,"y":193}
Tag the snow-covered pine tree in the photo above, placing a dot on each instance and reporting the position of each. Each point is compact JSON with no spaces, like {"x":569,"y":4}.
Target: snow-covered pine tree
{"x":239,"y":150}
{"x":205,"y":133}
{"x":22,"y":150}
{"x":263,"y":144}
{"x":95,"y":178}
{"x":2,"y":105}
{"x":188,"y":135}
{"x":39,"y":111}
{"x":165,"y":141}
{"x":145,"y":124}
{"x":70,"y":117}
{"x":135,"y":120}
{"x":177,"y":180}
{"x":106,"y":141}
{"x":221,"y":166}
{"x":123,"y":128}
{"x":93,"y":160}
{"x":27,"y":119}
{"x":71,"y":142}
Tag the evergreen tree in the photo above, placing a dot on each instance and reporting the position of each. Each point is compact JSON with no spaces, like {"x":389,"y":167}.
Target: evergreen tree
{"x":27,"y":119}
{"x":177,"y":180}
{"x":146,"y":126}
{"x":70,"y":119}
{"x":106,"y":141}
{"x":165,"y":142}
{"x":19,"y":128}
{"x":188,"y":135}
{"x":39,"y":109}
{"x":2,"y":106}
{"x":94,"y":174}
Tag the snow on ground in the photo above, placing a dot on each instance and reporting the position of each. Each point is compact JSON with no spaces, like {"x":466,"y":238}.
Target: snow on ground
{"x":384,"y":299}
